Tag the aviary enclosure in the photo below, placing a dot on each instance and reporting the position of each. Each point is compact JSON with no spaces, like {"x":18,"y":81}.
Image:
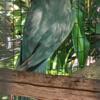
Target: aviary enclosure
{"x":60,"y":51}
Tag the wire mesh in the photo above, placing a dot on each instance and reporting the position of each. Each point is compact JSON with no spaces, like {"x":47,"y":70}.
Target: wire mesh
{"x":12,"y":16}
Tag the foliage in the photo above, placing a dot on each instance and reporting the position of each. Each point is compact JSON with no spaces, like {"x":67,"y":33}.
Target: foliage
{"x":80,"y":42}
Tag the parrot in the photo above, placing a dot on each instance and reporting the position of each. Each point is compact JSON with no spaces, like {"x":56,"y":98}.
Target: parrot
{"x":48,"y":24}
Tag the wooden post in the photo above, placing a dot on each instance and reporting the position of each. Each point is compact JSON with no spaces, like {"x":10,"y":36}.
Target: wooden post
{"x":48,"y":87}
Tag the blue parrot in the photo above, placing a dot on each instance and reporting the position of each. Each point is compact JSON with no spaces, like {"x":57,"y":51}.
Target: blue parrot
{"x":47,"y":25}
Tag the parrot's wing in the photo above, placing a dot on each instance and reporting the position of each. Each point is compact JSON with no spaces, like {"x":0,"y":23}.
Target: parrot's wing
{"x":35,"y":26}
{"x":48,"y":43}
{"x":51,"y":29}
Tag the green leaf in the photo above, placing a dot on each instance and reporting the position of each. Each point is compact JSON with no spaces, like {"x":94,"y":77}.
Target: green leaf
{"x":81,"y":44}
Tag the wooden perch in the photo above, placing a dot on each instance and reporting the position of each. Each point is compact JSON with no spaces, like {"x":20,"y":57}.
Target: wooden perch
{"x":48,"y":87}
